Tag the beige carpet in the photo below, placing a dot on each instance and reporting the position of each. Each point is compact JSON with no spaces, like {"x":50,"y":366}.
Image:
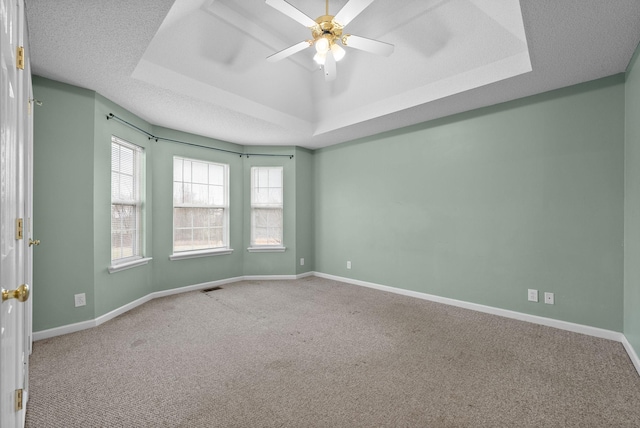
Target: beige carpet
{"x":319,"y":353}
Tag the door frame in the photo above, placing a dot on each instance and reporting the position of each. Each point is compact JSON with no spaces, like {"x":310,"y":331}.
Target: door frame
{"x":17,"y":173}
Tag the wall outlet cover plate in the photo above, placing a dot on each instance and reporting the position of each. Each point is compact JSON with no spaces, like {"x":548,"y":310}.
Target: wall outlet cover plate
{"x":549,"y":298}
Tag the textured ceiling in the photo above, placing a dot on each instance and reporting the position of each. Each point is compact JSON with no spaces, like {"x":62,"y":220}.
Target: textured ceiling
{"x":199,"y":65}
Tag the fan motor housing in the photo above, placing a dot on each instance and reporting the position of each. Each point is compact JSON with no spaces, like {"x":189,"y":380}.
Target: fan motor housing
{"x":326,"y":27}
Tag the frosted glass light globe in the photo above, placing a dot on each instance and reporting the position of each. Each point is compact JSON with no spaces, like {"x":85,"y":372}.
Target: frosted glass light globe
{"x":322,"y":46}
{"x":320,"y":58}
{"x":338,"y":52}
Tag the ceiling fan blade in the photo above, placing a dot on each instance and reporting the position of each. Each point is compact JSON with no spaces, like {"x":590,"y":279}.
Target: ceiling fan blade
{"x":288,"y":51}
{"x":292,"y":12}
{"x":369,"y":45}
{"x":329,"y":67}
{"x":351,"y":10}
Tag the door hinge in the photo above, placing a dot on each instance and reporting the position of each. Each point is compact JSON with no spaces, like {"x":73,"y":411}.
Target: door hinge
{"x":18,"y":399}
{"x":20,"y":58}
{"x":19,"y":229}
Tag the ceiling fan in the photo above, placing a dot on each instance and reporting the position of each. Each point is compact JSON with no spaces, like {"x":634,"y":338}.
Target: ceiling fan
{"x":326,"y":31}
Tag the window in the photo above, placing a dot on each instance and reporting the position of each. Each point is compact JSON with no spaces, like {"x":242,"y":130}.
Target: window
{"x":127,"y":161}
{"x":200,"y":206}
{"x":266,"y":208}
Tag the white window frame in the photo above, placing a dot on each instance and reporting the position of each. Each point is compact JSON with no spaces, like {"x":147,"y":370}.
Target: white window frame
{"x":225,"y":248}
{"x":256,"y":206}
{"x":136,"y":201}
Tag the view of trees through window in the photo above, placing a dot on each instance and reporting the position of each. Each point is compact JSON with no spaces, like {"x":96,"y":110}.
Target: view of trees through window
{"x":200,"y":205}
{"x":266,"y":206}
{"x":123,"y":231}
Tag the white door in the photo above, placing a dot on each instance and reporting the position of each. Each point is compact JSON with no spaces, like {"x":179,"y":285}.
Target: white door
{"x":14,"y":135}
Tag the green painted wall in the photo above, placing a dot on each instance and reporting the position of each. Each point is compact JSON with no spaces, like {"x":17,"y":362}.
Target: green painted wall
{"x":115,"y":290}
{"x":304,"y":211}
{"x":483,"y":205}
{"x":62,"y":204}
{"x":479,"y":207}
{"x":632,"y":205}
{"x":72,"y":197}
{"x":169,"y":274}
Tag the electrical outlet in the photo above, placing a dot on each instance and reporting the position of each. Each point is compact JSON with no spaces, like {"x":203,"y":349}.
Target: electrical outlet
{"x":348,"y":265}
{"x":301,"y":261}
{"x":548,"y":298}
{"x":81,"y":299}
{"x":532,"y":295}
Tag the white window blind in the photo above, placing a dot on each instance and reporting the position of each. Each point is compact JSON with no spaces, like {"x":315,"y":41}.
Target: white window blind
{"x":266,"y":206}
{"x":126,"y":200}
{"x":200,"y":205}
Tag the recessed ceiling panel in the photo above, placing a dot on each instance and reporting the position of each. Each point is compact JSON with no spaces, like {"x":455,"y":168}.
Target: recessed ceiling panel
{"x":453,"y":47}
{"x":215,"y":50}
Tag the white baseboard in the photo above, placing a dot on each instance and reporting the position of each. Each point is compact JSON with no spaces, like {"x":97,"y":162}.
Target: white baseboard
{"x":268,"y":277}
{"x":196,"y":287}
{"x":65,"y":329}
{"x":72,"y":328}
{"x":632,"y":353}
{"x":563,"y":325}
{"x":121,"y":310}
{"x":304,"y":275}
{"x":549,"y":322}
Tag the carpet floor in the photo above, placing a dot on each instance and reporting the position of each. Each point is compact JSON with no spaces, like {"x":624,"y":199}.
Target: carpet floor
{"x":319,"y":353}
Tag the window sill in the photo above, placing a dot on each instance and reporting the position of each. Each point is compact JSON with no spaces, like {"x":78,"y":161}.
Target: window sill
{"x":128,"y":265}
{"x":202,"y":253}
{"x":273,"y":249}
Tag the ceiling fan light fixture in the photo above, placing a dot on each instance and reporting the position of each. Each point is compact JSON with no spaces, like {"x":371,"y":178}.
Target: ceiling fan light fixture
{"x":322,"y":45}
{"x":338,"y":52}
{"x":326,"y":31}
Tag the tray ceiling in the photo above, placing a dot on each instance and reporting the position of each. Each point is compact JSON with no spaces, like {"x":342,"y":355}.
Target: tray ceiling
{"x":199,"y":65}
